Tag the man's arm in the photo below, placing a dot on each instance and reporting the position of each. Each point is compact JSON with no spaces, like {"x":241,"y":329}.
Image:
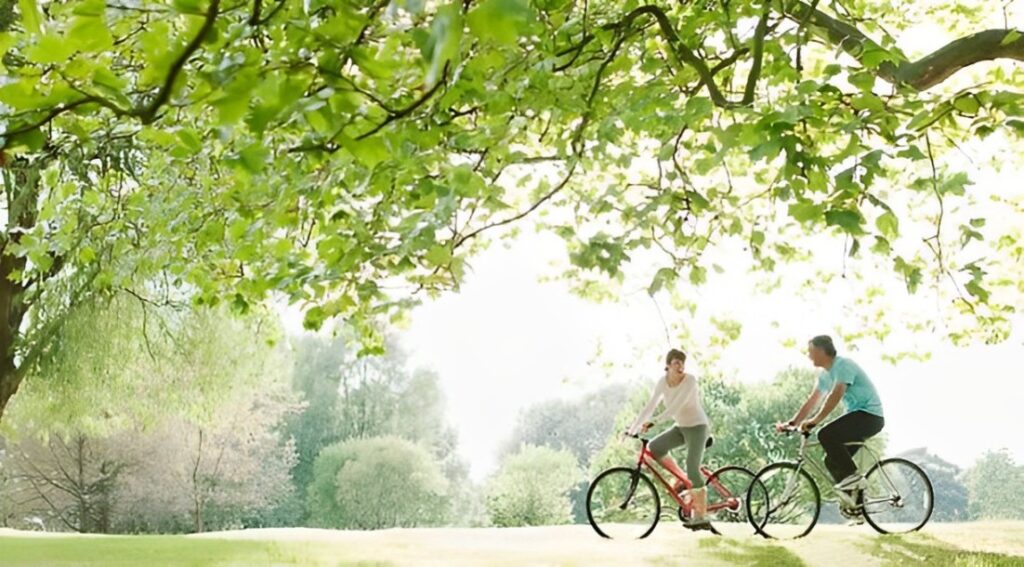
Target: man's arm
{"x":809,"y":405}
{"x":830,"y":404}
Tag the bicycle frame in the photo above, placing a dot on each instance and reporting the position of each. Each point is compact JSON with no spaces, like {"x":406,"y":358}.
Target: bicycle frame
{"x":731,"y":502}
{"x":802,"y":460}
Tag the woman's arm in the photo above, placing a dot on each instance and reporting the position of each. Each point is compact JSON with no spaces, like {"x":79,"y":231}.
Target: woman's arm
{"x":646,"y":412}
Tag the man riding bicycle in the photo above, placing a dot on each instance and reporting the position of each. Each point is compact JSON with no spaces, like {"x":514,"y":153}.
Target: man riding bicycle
{"x":841,"y":379}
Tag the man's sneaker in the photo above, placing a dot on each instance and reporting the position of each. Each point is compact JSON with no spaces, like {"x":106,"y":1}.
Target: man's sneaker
{"x":850,"y":483}
{"x":855,"y":517}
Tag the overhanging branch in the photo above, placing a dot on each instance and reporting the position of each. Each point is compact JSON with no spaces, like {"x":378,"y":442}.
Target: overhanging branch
{"x":924,"y":73}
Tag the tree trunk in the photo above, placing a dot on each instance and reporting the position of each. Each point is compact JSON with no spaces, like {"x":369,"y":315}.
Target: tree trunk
{"x":22,"y":188}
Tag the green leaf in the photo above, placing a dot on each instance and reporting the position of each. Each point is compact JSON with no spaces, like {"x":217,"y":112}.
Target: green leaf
{"x":849,"y":221}
{"x":698,"y":201}
{"x":968,"y":104}
{"x":94,"y":8}
{"x":663,"y":277}
{"x":805,"y":211}
{"x":192,"y":7}
{"x":1010,"y":37}
{"x":864,"y":80}
{"x":32,"y":140}
{"x":30,"y":16}
{"x":438,"y":255}
{"x":698,"y":275}
{"x":231,"y":107}
{"x":50,"y":49}
{"x":768,"y":150}
{"x":503,"y":20}
{"x":868,"y":101}
{"x":888,"y":225}
{"x":912,"y":153}
{"x":86,"y":255}
{"x":874,"y":56}
{"x":955,"y":184}
{"x":254,"y":157}
{"x":190,"y":141}
{"x":369,"y":151}
{"x":698,"y":109}
{"x":911,"y":274}
{"x":446,"y":40}
{"x":314,"y":319}
{"x":89,"y":33}
{"x":978,"y":223}
{"x":974,"y":288}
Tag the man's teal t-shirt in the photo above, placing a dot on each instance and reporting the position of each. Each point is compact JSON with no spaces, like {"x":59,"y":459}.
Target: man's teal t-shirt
{"x":860,"y":392}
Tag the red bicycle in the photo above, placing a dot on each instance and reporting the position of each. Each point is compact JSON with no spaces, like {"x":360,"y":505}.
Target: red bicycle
{"x":622,"y":502}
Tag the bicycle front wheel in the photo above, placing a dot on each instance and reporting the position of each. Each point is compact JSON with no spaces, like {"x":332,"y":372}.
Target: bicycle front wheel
{"x":622,"y":503}
{"x":898,"y":497}
{"x":783,"y":501}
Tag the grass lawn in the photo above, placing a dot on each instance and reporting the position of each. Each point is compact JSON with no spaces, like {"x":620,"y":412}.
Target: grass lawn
{"x":995,"y":544}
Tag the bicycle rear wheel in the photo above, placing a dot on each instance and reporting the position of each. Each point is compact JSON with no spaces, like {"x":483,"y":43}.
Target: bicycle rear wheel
{"x":783,"y":501}
{"x":622,"y":503}
{"x":898,"y":497}
{"x":726,"y":497}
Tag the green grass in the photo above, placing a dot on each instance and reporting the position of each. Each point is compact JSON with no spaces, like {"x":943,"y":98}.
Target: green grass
{"x":922,"y":549}
{"x":562,"y":546}
{"x":163,"y":550}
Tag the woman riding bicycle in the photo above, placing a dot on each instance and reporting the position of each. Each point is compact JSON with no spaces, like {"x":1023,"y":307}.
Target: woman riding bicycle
{"x":841,"y":379}
{"x":681,"y":396}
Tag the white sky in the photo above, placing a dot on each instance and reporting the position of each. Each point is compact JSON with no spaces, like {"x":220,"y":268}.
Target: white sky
{"x":507,"y":340}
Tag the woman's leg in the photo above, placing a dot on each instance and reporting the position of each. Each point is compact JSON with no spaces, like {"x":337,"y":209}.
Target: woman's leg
{"x":661,"y":445}
{"x":696,"y":437}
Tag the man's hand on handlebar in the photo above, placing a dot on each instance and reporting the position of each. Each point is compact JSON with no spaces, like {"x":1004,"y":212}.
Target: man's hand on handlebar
{"x":784,"y":427}
{"x":808,"y":425}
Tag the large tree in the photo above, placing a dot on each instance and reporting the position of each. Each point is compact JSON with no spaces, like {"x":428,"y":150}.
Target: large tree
{"x":351,"y":154}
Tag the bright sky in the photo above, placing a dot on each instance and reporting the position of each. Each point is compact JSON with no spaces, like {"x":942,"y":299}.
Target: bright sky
{"x":507,"y":340}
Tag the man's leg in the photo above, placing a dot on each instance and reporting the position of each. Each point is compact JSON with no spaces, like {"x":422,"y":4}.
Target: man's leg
{"x":852,"y":427}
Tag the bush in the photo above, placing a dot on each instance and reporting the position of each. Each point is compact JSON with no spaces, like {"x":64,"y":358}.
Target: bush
{"x":532,"y":488}
{"x":377,"y":483}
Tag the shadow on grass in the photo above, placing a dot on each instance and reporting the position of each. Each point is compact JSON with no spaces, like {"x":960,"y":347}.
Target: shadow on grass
{"x":921,"y":549}
{"x":749,"y":552}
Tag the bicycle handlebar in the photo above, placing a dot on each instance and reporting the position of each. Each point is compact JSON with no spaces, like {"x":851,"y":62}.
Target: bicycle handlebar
{"x":794,"y":429}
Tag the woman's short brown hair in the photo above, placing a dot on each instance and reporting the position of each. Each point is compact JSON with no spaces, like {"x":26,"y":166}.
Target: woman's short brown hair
{"x":675,"y":354}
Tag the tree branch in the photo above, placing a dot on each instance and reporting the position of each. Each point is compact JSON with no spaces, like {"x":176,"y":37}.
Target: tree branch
{"x":924,"y":73}
{"x":687,"y":56}
{"x":147,"y":114}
